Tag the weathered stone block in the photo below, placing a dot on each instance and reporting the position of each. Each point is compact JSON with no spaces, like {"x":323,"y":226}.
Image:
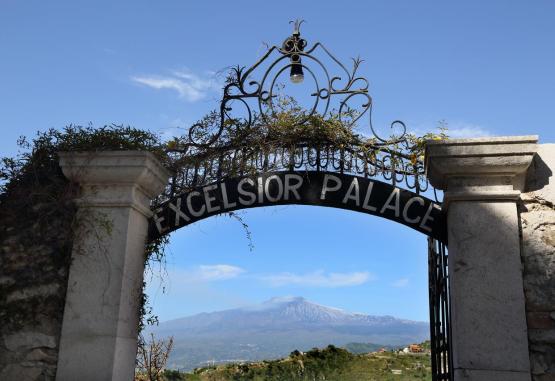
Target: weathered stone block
{"x":32,"y":292}
{"x":540,"y":320}
{"x":41,"y":354}
{"x":538,"y":256}
{"x":28,"y":340}
{"x":19,"y":372}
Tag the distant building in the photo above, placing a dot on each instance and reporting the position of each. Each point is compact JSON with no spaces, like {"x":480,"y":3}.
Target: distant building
{"x":415,"y":348}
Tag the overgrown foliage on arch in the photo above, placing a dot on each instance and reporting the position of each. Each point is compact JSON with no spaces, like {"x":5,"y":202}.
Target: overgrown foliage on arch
{"x":35,"y":197}
{"x":321,"y":144}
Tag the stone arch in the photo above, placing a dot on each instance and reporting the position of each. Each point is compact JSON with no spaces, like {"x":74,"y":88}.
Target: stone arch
{"x":481,"y":180}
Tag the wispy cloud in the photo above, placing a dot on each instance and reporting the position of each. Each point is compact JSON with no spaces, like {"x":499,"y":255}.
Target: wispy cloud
{"x":188,"y":85}
{"x":464,"y":130}
{"x":204,"y":274}
{"x":318,"y":279}
{"x":210,"y":273}
{"x":455,"y":130}
{"x":400,"y":283}
{"x":186,"y":291}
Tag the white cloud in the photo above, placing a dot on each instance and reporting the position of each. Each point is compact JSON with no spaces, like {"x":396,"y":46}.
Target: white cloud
{"x":217,"y":272}
{"x":455,"y":130}
{"x":399,"y":283}
{"x":462,"y":130}
{"x":318,"y":279}
{"x":188,"y":85}
{"x":186,"y":291}
{"x":203,"y":274}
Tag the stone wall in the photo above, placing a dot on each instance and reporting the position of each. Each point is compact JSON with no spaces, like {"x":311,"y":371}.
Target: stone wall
{"x":34,"y":262}
{"x":537,"y":213}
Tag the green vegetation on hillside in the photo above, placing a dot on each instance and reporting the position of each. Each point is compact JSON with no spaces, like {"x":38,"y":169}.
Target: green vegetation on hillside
{"x":358,"y":348}
{"x":330,"y":364}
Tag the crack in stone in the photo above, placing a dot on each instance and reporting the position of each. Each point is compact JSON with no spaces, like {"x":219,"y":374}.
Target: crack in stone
{"x":535,"y":199}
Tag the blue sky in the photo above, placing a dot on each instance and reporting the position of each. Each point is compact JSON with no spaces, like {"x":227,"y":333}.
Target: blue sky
{"x":484,"y":67}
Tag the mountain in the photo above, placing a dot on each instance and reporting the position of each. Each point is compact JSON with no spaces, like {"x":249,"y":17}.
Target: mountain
{"x":275,"y":328}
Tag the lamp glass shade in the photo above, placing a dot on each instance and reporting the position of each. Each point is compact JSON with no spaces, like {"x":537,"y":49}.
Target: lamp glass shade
{"x":297,"y":75}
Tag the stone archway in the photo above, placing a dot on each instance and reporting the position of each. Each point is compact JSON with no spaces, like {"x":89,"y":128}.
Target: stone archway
{"x":493,"y":212}
{"x":482,"y":181}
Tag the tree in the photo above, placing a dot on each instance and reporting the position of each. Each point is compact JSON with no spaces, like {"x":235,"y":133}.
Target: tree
{"x":152,"y":357}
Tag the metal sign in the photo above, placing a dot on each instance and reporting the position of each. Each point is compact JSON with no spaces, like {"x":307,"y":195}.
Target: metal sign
{"x":305,"y":188}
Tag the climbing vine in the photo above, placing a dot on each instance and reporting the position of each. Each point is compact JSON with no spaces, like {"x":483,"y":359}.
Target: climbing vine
{"x":220,"y":147}
{"x":34,"y":193}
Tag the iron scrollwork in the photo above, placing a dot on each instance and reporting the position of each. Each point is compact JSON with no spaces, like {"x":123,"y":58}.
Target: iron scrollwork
{"x":249,"y":100}
{"x":241,"y":86}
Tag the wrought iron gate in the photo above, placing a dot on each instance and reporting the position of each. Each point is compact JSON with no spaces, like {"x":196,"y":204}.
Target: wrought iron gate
{"x":440,"y":330}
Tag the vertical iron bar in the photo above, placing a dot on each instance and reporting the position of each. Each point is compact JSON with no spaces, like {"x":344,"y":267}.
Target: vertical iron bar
{"x":431,"y":285}
{"x":440,"y":330}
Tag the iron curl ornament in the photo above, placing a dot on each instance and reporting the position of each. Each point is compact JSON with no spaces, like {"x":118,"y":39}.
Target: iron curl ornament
{"x":258,"y":128}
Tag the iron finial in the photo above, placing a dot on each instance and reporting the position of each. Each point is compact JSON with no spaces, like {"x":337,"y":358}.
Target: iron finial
{"x":296,"y":26}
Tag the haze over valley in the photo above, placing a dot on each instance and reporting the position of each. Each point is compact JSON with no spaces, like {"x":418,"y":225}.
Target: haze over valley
{"x":276,"y":327}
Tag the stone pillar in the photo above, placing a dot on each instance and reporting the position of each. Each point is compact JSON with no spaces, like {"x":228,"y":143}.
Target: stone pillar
{"x":481,"y":180}
{"x":99,"y":330}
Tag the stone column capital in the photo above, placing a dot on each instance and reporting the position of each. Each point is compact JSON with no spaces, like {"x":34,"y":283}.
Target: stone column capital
{"x":115,"y":178}
{"x":479,"y":169}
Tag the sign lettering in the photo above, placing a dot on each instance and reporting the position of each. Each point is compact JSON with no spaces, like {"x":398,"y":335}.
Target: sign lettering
{"x":308,"y":188}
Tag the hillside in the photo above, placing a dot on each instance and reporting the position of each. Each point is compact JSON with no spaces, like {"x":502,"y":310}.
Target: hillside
{"x":274,"y":328}
{"x":330,"y":364}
